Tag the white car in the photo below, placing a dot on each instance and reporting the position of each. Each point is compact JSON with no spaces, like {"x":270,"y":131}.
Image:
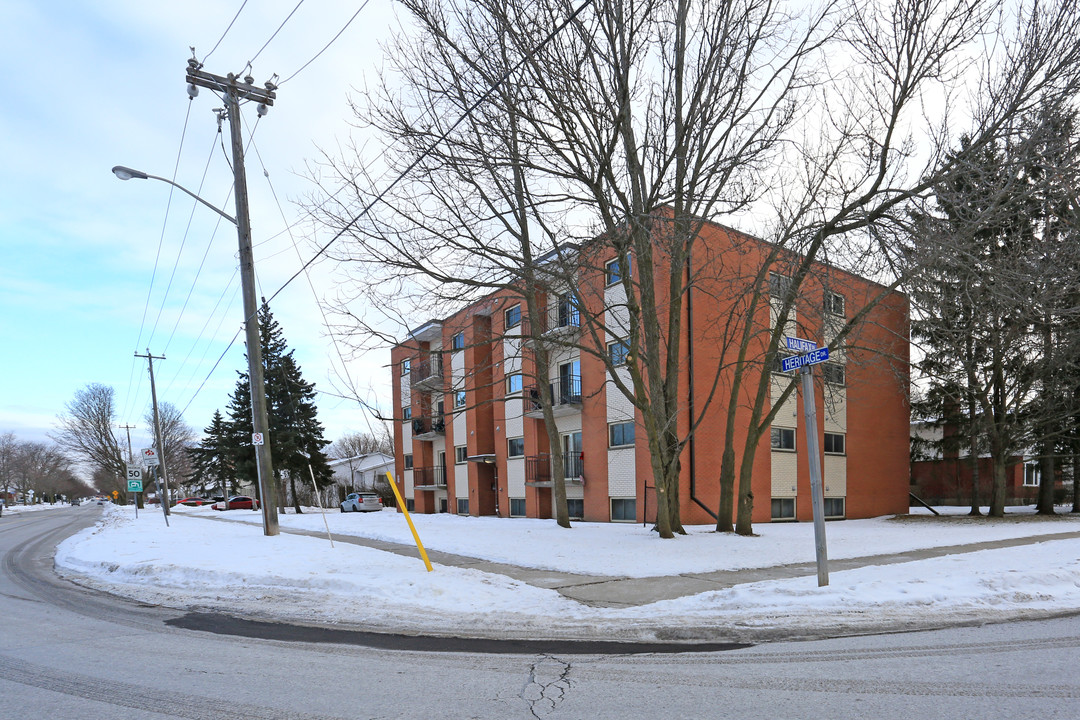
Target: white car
{"x":362,"y":502}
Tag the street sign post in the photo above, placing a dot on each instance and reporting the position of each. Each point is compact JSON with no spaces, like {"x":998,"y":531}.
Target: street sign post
{"x":135,"y":486}
{"x":134,"y":483}
{"x":149,"y":457}
{"x":799,"y":345}
{"x":811,"y":358}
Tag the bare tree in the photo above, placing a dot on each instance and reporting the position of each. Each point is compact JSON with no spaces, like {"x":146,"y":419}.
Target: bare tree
{"x":178,"y":438}
{"x":85,"y":432}
{"x":356,"y":444}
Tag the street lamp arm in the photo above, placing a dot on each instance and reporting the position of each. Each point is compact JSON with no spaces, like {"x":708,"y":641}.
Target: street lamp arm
{"x":126,"y":173}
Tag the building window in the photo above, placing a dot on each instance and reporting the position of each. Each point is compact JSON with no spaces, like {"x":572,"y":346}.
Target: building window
{"x":408,"y":462}
{"x":459,"y":399}
{"x":575,"y":507}
{"x":517,"y":507}
{"x":458,"y":341}
{"x":613,"y":270}
{"x":834,"y":303}
{"x":783,"y":438}
{"x":406,"y":413}
{"x":463,"y":506}
{"x":406,"y":367}
{"x":515,"y":447}
{"x":783,"y":508}
{"x":779,"y":285}
{"x":834,"y":444}
{"x":513,"y":384}
{"x":410,"y":505}
{"x":1032,"y":474}
{"x":618,"y":351}
{"x":461,"y":454}
{"x":834,"y":508}
{"x":623,"y":510}
{"x":833,"y":373}
{"x":513,"y":316}
{"x":621,"y":434}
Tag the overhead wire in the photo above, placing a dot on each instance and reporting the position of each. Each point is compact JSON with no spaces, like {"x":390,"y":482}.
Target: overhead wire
{"x":132,"y":398}
{"x":283,"y":22}
{"x":227,"y":29}
{"x":332,"y":41}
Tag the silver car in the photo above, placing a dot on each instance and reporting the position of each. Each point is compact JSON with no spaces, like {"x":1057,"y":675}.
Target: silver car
{"x":362,"y":502}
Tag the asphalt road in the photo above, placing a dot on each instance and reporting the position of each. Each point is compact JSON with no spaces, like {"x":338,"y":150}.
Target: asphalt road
{"x":66,"y":652}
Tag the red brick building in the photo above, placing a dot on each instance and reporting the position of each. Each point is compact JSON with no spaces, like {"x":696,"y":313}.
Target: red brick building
{"x":469,"y":437}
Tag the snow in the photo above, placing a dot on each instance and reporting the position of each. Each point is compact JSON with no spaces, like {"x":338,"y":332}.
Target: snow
{"x":210,"y":560}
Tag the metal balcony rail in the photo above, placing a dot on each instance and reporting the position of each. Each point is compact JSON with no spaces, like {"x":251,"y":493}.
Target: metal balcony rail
{"x":564,"y":391}
{"x":427,"y":371}
{"x":425,"y":425}
{"x":433,"y":476}
{"x":538,"y":467}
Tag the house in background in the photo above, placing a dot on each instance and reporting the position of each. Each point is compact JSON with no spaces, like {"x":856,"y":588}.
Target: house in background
{"x":944,"y":476}
{"x":469,"y":435}
{"x":363,"y":472}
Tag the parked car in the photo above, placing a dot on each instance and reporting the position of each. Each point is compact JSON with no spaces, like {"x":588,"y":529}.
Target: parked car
{"x":362,"y":502}
{"x":193,"y":501}
{"x":76,"y":502}
{"x":238,"y":502}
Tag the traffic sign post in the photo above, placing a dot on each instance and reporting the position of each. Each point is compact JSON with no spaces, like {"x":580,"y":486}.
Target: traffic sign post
{"x":811,"y":358}
{"x":817,"y":500}
{"x":134,"y":484}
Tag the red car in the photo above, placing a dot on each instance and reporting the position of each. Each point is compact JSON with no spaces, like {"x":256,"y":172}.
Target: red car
{"x":238,"y":502}
{"x":193,"y":501}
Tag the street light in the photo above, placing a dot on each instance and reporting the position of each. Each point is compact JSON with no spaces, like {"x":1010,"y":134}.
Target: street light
{"x":260,"y":422}
{"x":126,"y":173}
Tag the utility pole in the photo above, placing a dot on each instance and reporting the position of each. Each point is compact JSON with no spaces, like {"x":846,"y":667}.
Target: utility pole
{"x":129,"y":428}
{"x":233,"y":92}
{"x":157,"y":434}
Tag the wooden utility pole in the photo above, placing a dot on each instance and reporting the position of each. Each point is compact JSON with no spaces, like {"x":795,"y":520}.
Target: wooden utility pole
{"x":159,"y":442}
{"x":233,"y":92}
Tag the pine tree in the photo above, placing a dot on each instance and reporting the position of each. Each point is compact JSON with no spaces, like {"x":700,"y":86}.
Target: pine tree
{"x":212,"y":459}
{"x":295,"y":433}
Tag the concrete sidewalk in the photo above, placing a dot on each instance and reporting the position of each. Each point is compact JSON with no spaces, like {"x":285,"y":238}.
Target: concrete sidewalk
{"x":609,"y":591}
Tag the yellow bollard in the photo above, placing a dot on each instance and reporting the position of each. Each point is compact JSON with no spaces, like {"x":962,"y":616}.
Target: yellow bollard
{"x":401,"y":504}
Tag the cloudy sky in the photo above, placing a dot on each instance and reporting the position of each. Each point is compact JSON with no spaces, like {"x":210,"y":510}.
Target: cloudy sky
{"x":95,"y":269}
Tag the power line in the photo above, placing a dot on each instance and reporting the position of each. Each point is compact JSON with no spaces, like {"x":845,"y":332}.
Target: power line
{"x":423,"y":155}
{"x":242,"y":5}
{"x":283,"y":22}
{"x":332,"y":41}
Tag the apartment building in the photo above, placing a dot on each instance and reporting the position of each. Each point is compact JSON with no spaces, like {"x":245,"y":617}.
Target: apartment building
{"x":469,"y":434}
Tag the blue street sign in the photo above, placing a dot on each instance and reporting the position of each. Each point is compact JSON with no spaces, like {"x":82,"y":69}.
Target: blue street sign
{"x":799,"y":345}
{"x":811,"y":358}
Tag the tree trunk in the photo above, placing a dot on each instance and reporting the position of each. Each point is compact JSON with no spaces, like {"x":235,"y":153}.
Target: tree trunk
{"x":295,"y":497}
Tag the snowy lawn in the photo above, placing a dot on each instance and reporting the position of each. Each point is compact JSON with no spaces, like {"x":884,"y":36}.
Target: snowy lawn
{"x":232,"y":567}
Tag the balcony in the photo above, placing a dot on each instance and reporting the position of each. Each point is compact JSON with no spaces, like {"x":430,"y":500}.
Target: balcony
{"x":565,"y":397}
{"x":428,"y":428}
{"x":427,"y":375}
{"x":429,"y":478}
{"x":538,"y":469}
{"x":563,"y":319}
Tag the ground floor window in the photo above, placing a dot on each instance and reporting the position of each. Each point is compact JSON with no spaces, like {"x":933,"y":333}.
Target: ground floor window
{"x":623,"y":510}
{"x":463,"y":506}
{"x":517,"y":507}
{"x":1032,"y":474}
{"x":575,"y":508}
{"x":410,"y":505}
{"x":834,"y":507}
{"x":783,"y":508}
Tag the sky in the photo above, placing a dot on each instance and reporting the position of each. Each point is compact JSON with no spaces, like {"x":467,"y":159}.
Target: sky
{"x":95,"y":270}
{"x":307,"y":579}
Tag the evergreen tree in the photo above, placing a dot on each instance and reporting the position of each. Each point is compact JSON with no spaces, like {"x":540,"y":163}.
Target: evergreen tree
{"x":212,"y":459}
{"x":295,"y":433}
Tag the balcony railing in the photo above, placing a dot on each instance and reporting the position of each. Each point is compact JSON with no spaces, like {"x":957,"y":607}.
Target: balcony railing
{"x":565,"y":397}
{"x":562,"y":317}
{"x":538,"y":469}
{"x":429,"y":478}
{"x":427,"y":375}
{"x":428,"y":428}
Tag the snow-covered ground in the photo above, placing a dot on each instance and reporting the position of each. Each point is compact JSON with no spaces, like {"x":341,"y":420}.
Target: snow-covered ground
{"x":200,"y":563}
{"x":22,"y":509}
